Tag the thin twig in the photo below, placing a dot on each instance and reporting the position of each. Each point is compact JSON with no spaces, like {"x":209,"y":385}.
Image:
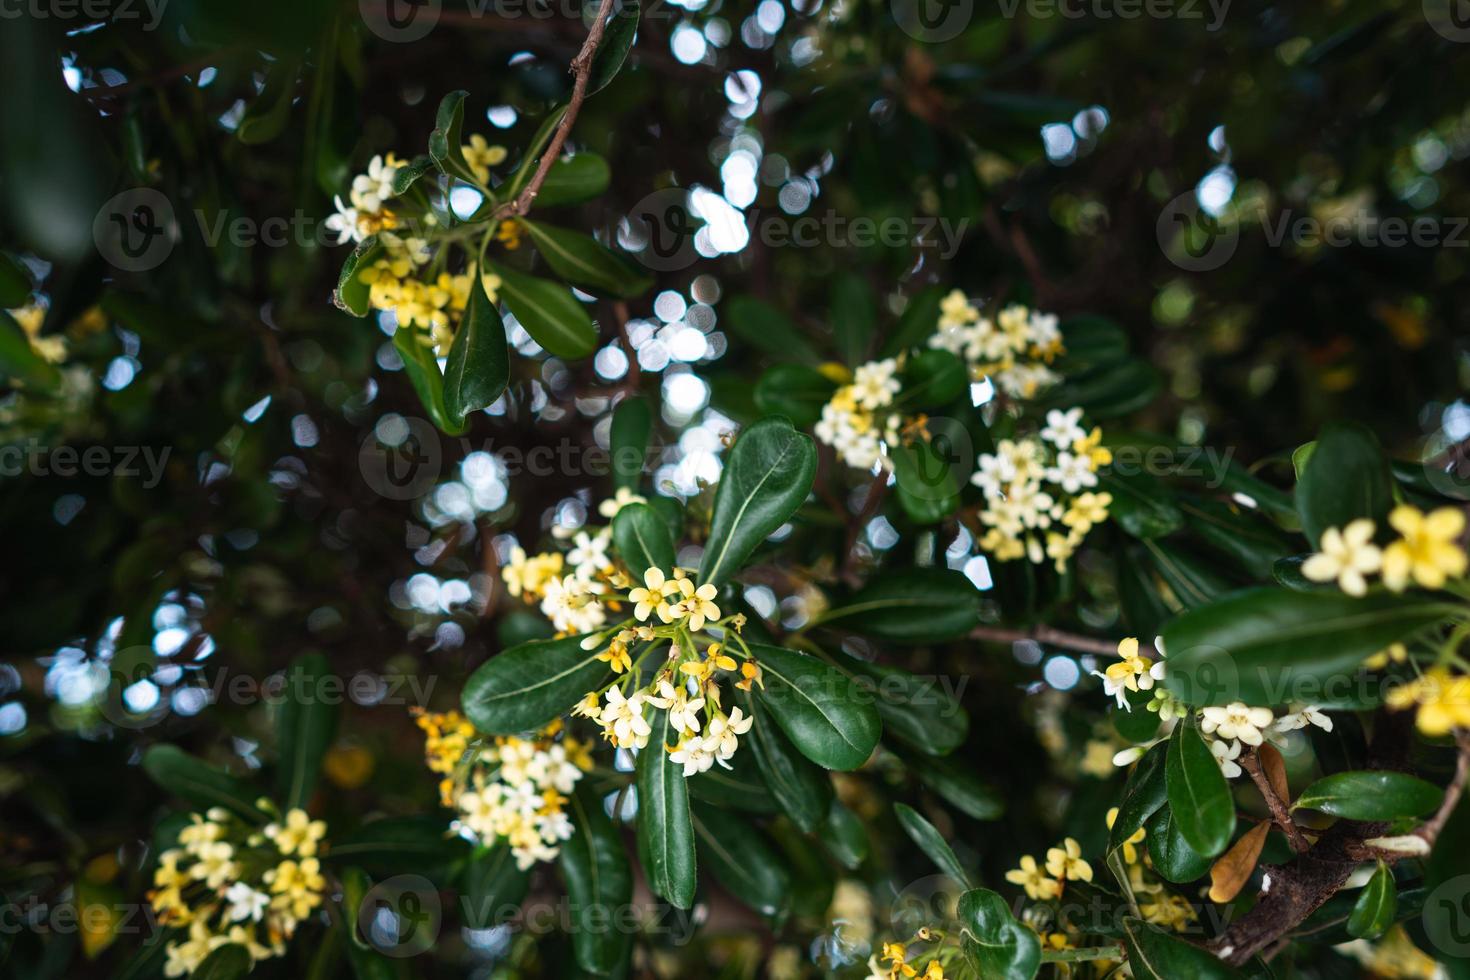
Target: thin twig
{"x":1055,"y":637}
{"x":581,"y":67}
{"x":1251,"y":763}
{"x":1432,"y":827}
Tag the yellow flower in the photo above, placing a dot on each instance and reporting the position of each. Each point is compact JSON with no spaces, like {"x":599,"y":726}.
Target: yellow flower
{"x":1090,"y":446}
{"x":651,"y":597}
{"x":714,"y":659}
{"x":1130,"y":848}
{"x":1394,"y":652}
{"x":509,"y":235}
{"x":750,"y":673}
{"x":1443,"y":700}
{"x":481,"y":155}
{"x":528,"y":576}
{"x":1347,"y":555}
{"x":935,"y":971}
{"x":298,"y":835}
{"x":617,"y":656}
{"x":1031,"y":878}
{"x":1066,"y":862}
{"x":697,"y":605}
{"x":1428,"y":552}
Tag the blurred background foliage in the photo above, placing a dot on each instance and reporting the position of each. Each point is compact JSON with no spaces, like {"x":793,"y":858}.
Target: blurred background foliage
{"x":1054,"y":142}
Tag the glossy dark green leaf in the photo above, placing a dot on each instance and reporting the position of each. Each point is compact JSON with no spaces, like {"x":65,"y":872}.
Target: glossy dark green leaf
{"x":18,"y":359}
{"x":844,"y":836}
{"x":1345,"y":477}
{"x":995,"y":943}
{"x":933,"y":379}
{"x":767,"y":476}
{"x":534,"y":149}
{"x":1142,"y":796}
{"x":586,"y":263}
{"x":523,"y":688}
{"x":352,"y":293}
{"x":1155,"y":953}
{"x":802,"y":790}
{"x":305,"y":727}
{"x":795,"y":391}
{"x":765,"y":328}
{"x":665,"y":832}
{"x":268,"y":114}
{"x":931,"y":842}
{"x":642,"y":539}
{"x":408,"y":174}
{"x":599,"y":885}
{"x":1171,"y":854}
{"x":574,"y":179}
{"x":617,"y":41}
{"x":1198,"y":793}
{"x":1371,"y":795}
{"x":928,"y":486}
{"x":742,"y":860}
{"x":553,"y":317}
{"x":446,"y":141}
{"x":632,"y":428}
{"x":400,"y":845}
{"x":911,"y":605}
{"x":1270,"y":645}
{"x":478,"y":366}
{"x":1091,"y":342}
{"x":494,"y":886}
{"x":1191,"y":580}
{"x":226,"y":963}
{"x":1142,"y":505}
{"x":1246,"y":540}
{"x":1376,"y":907}
{"x":15,"y":283}
{"x":818,"y":707}
{"x":1108,"y":392}
{"x":741,"y":787}
{"x":1288,"y":572}
{"x":954,"y":778}
{"x":853,"y":311}
{"x":428,"y":383}
{"x":914,"y":708}
{"x":199,"y":783}
{"x":1136,"y":725}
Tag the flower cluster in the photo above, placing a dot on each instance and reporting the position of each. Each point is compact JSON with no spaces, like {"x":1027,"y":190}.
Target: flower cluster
{"x":229,"y":881}
{"x":1039,"y":496}
{"x":893,"y":961}
{"x":509,"y":788}
{"x":1427,"y":552}
{"x":1226,"y":728}
{"x":50,"y":348}
{"x":861,"y":421}
{"x":1043,"y":883}
{"x":410,"y":278}
{"x":1442,"y":701}
{"x":1013,"y":350}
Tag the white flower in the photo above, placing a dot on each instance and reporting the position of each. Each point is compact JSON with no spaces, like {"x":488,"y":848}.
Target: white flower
{"x":693,"y":753}
{"x":1072,"y":472}
{"x":371,"y":189}
{"x":344,"y":222}
{"x":589,"y":553}
{"x":723,"y":729}
{"x":1346,"y":556}
{"x":683,"y":712}
{"x":1302,"y":717}
{"x":1236,"y":720}
{"x":622,"y":720}
{"x":609,"y":508}
{"x":246,"y":902}
{"x":1063,"y":429}
{"x":572,"y":606}
{"x":1226,"y":753}
{"x":553,"y":768}
{"x":874,"y":384}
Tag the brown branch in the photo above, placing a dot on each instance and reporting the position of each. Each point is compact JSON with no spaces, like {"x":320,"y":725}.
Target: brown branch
{"x":1251,"y":763}
{"x":1055,"y":637}
{"x":581,"y":67}
{"x":1456,"y":789}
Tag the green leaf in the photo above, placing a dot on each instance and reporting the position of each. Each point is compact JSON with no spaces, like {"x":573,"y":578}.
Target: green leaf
{"x":1249,"y":542}
{"x":1192,"y":582}
{"x":523,"y":688}
{"x":1371,"y":795}
{"x":304,"y":729}
{"x":574,"y":179}
{"x":1345,"y":477}
{"x":400,"y":845}
{"x":958,"y":785}
{"x":743,"y":861}
{"x":1172,"y":856}
{"x":1155,"y":953}
{"x":928,"y":485}
{"x":367,"y":962}
{"x":494,"y":886}
{"x":1198,"y":793}
{"x":553,"y":317}
{"x":201,"y":784}
{"x":478,"y":366}
{"x":585,"y":262}
{"x":1091,"y":341}
{"x":916,"y":323}
{"x":1109,"y":391}
{"x":423,"y":373}
{"x":351,"y":293}
{"x":767,"y":329}
{"x":642,"y":539}
{"x":271,"y":110}
{"x":446,"y":141}
{"x":1142,"y":505}
{"x":632,"y":427}
{"x":912,"y":708}
{"x":617,"y":41}
{"x":854,"y":316}
{"x":226,"y":963}
{"x":800,"y":788}
{"x":1268,"y":645}
{"x":768,"y":474}
{"x":408,"y":174}
{"x":933,"y":379}
{"x":665,"y":832}
{"x":931,"y":842}
{"x":534,"y":150}
{"x":996,"y":945}
{"x":844,"y":836}
{"x":19,"y":360}
{"x":796,"y":391}
{"x":818,"y":707}
{"x":1144,"y":794}
{"x":913,"y":605}
{"x":600,"y":886}
{"x":1376,"y":907}
{"x":15,"y":283}
{"x":740,"y":787}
